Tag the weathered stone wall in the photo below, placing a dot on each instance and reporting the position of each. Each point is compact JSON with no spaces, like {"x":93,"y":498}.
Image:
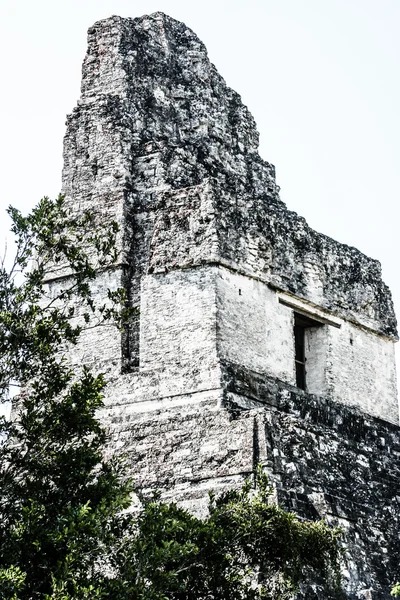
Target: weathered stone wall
{"x":361,"y":371}
{"x":260,"y":237}
{"x":192,"y":319}
{"x":254,"y":330}
{"x":159,"y":143}
{"x":202,"y":383}
{"x":324,"y":459}
{"x":178,"y":330}
{"x":99,"y":346}
{"x":343,"y":361}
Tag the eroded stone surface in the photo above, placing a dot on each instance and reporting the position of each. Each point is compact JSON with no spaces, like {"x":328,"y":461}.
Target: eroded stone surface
{"x":202,"y":384}
{"x":161,"y":144}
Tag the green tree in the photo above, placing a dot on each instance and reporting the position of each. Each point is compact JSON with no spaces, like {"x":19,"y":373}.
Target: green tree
{"x":59,"y":499}
{"x":246,"y":548}
{"x":64,"y":530}
{"x":396,"y":590}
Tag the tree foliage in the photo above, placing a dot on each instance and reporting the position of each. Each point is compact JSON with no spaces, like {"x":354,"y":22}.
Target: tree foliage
{"x":59,"y":499}
{"x":396,"y":590}
{"x":246,"y":548}
{"x":65,"y":531}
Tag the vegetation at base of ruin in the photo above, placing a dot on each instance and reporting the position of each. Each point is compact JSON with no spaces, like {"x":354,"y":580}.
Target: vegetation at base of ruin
{"x":65,"y":531}
{"x":246,"y":548}
{"x":59,"y":499}
{"x":396,"y":590}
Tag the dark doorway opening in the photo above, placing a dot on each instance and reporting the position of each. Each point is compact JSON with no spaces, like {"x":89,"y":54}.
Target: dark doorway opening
{"x":301,"y":323}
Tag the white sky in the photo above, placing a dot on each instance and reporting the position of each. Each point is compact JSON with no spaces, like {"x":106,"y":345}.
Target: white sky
{"x":320,"y":77}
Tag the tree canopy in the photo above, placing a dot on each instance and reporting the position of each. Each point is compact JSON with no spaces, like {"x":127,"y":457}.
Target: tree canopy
{"x":66,"y":528}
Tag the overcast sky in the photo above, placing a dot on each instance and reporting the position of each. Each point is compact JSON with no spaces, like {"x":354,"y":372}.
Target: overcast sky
{"x":321,"y":78}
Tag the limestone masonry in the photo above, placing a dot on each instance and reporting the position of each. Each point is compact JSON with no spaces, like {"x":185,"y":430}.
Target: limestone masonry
{"x":256,"y":338}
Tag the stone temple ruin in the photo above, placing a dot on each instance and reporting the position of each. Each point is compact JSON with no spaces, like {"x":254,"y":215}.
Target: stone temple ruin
{"x":257,"y":339}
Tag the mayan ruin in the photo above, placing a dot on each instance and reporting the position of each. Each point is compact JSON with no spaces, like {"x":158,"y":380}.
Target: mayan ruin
{"x":256,"y":339}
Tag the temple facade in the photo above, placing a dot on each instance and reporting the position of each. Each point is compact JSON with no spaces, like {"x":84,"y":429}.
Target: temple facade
{"x":254,"y":338}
